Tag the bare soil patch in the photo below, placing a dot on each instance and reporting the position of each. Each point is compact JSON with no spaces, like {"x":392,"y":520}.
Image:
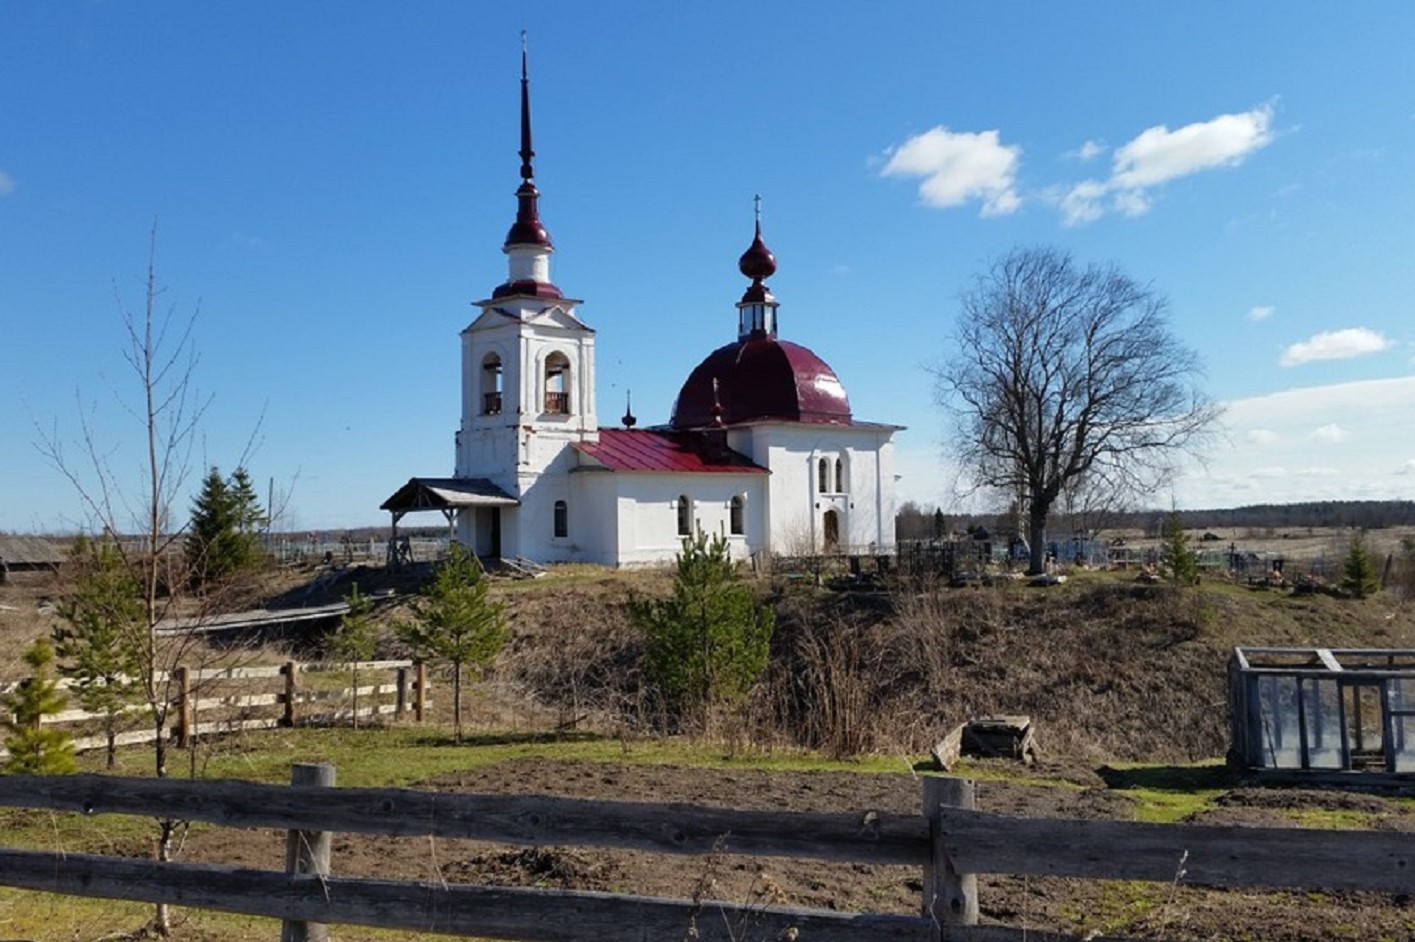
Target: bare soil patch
{"x":1158,"y":910}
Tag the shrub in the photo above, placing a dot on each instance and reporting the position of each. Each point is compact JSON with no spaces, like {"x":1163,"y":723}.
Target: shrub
{"x":707,"y":644}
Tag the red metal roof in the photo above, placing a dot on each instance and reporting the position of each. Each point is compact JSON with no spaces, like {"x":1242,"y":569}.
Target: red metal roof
{"x":650,"y":450}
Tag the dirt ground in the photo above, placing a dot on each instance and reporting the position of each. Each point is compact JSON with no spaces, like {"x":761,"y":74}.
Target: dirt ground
{"x":1129,"y":908}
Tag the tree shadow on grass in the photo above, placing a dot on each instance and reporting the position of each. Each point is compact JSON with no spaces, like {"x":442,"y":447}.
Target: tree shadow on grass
{"x":475,"y":740}
{"x":1171,"y":778}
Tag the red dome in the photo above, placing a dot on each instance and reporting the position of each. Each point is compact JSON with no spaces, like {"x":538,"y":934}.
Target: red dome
{"x":762,"y":378}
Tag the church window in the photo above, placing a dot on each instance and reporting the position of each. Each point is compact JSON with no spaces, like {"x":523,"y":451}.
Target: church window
{"x":557,"y":384}
{"x":685,"y":515}
{"x":839,"y":476}
{"x":734,"y":517}
{"x":491,"y":385}
{"x":562,"y":519}
{"x":823,"y":476}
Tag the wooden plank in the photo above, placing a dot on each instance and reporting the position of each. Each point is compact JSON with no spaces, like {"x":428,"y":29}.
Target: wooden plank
{"x":530,"y":820}
{"x":1377,"y":861}
{"x":333,"y":666}
{"x":246,"y":700}
{"x":236,"y":673}
{"x":449,"y":909}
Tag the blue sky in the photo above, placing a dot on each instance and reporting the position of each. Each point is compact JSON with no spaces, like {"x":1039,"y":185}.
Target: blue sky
{"x":332,"y":182}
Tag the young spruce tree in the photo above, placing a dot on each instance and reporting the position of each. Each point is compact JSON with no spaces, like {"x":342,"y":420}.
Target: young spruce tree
{"x":707,"y":643}
{"x":97,"y":644}
{"x":1358,"y":571}
{"x":1178,"y":561}
{"x":220,"y":541}
{"x":457,"y":623}
{"x":355,"y":639}
{"x":33,"y":749}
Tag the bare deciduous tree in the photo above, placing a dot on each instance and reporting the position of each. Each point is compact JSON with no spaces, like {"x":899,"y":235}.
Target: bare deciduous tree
{"x":1066,"y":375}
{"x":168,"y":410}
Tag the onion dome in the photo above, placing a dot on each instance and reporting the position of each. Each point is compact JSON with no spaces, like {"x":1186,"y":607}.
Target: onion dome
{"x":757,"y":263}
{"x":760,"y":378}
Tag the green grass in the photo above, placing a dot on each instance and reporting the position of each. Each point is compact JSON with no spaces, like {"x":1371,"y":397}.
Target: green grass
{"x":1171,"y":793}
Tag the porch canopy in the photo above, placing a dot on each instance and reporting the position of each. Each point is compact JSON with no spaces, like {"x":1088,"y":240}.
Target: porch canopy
{"x":447,"y":495}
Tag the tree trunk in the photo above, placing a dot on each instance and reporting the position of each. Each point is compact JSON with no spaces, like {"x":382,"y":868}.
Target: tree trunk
{"x":1037,"y":542}
{"x":457,"y":701}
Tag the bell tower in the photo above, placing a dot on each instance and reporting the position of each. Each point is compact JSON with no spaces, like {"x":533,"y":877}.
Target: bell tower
{"x":528,"y":379}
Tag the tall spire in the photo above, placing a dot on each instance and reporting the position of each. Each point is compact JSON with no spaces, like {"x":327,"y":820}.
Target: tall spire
{"x":527,"y":229}
{"x":526,"y":151}
{"x":527,"y":243}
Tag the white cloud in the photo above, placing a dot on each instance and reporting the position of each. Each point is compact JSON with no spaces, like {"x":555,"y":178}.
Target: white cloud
{"x":1089,"y":151}
{"x":1329,"y":434}
{"x":1262,"y":436}
{"x":1335,"y":345}
{"x":1082,"y":203}
{"x":1260,"y":312}
{"x":958,"y":167}
{"x":7,"y":184}
{"x":1159,"y":155}
{"x":1279,"y":447}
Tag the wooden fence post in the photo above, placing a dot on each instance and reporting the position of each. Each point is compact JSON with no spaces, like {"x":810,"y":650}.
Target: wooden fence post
{"x":184,"y":707}
{"x":307,"y":852}
{"x":400,"y":706}
{"x":290,"y":671}
{"x":420,"y":700}
{"x":950,"y":897}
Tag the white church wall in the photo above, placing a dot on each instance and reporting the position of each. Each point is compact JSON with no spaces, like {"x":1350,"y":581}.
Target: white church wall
{"x":647,"y":508}
{"x":864,"y":508}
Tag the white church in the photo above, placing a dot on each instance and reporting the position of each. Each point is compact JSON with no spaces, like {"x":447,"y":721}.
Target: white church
{"x":761,"y":447}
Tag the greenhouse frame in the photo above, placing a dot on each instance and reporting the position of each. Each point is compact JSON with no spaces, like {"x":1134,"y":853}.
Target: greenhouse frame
{"x":1334,"y":710}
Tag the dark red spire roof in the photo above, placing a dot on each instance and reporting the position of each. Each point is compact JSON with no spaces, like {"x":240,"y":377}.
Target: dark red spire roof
{"x":527,"y":229}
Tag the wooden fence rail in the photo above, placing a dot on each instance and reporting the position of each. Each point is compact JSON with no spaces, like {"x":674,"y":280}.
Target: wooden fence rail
{"x":950,"y":842}
{"x":206,"y":702}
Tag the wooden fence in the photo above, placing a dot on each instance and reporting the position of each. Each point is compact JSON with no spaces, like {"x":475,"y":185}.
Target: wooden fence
{"x":233,"y":699}
{"x":949,"y":840}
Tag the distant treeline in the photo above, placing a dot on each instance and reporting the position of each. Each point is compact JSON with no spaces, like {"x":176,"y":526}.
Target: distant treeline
{"x":1361,"y":514}
{"x":915,"y":522}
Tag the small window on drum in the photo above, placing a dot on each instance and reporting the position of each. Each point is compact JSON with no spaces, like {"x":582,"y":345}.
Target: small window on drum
{"x":734,"y":517}
{"x":685,"y":515}
{"x":562,"y":519}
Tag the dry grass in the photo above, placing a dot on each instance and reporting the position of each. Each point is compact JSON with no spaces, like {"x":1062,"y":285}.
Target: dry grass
{"x":1110,"y":669}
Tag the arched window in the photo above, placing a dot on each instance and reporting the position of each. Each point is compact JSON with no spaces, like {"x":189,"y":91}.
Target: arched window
{"x":823,"y":476}
{"x":557,"y":384}
{"x":839,"y":476}
{"x":734,"y":517}
{"x":491,"y":385}
{"x":685,"y":515}
{"x":562,"y":519}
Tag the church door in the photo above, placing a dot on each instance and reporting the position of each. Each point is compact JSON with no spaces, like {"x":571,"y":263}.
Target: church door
{"x":831,"y":528}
